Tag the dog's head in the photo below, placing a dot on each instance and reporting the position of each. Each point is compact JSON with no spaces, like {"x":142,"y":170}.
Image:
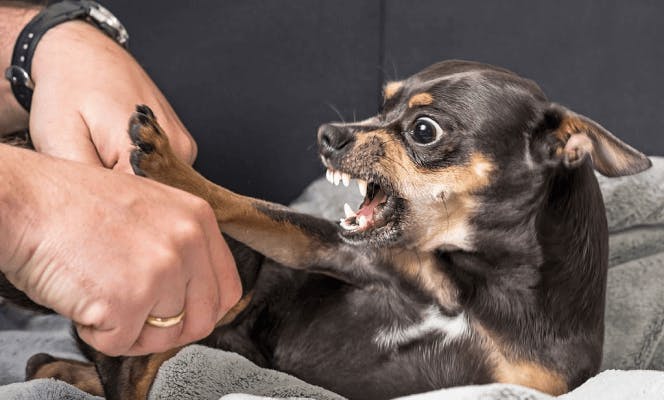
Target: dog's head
{"x":448,"y":137}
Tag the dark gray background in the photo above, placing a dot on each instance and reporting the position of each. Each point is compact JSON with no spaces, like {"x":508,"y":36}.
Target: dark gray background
{"x":253,"y":79}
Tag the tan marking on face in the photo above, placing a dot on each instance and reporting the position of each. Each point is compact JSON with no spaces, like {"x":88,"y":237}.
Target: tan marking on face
{"x":444,"y":198}
{"x":420,"y":99}
{"x":508,"y":369}
{"x":445,"y":225}
{"x":422,"y":268}
{"x":391,"y":88}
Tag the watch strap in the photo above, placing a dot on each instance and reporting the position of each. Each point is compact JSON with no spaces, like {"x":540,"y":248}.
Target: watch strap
{"x":19,"y":71}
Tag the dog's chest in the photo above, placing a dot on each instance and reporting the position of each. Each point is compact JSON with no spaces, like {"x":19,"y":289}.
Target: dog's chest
{"x":430,"y":322}
{"x":354,"y":338}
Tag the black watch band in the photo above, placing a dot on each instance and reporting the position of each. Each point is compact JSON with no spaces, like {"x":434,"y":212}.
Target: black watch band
{"x":19,"y":71}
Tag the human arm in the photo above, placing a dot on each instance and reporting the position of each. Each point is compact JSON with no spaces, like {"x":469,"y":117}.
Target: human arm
{"x":86,"y":86}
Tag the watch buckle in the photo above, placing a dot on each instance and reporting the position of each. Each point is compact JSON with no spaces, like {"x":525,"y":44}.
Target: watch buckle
{"x":19,"y":76}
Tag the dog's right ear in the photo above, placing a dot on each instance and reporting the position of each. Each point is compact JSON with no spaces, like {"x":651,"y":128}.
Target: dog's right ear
{"x":571,"y":137}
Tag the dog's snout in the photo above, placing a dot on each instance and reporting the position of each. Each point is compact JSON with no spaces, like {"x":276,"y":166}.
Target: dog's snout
{"x":333,"y":138}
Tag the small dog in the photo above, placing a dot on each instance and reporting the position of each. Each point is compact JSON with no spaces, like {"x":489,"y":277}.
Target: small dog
{"x":478,"y":255}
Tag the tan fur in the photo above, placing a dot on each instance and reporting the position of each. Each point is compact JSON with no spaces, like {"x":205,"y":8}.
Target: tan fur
{"x":391,"y":88}
{"x":445,"y":196}
{"x":237,"y":309}
{"x":280,"y":241}
{"x":508,"y":369}
{"x":415,"y":182}
{"x":420,"y":99}
{"x":144,"y":377}
{"x":579,"y":136}
{"x":532,"y":375}
{"x":80,"y":374}
{"x":422,"y":269}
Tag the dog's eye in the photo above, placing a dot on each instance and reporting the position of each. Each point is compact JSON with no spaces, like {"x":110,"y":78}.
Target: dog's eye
{"x":425,"y":131}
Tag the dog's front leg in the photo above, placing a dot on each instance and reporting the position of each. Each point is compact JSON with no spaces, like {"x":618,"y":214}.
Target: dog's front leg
{"x":293,"y":239}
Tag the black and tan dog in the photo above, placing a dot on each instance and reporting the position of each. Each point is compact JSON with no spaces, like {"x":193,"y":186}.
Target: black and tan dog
{"x":478,"y":255}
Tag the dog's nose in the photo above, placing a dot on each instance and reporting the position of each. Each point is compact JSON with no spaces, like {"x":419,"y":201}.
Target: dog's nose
{"x":332,"y":139}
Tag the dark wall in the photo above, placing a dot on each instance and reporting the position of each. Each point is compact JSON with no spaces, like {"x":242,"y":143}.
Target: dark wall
{"x":604,"y":59}
{"x":253,"y":79}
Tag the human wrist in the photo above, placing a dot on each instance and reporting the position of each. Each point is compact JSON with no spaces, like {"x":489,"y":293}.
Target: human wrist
{"x":12,"y":20}
{"x":86,"y":38}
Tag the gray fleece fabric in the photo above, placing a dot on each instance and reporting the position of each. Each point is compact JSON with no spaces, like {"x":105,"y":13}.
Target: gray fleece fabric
{"x":634,"y":338}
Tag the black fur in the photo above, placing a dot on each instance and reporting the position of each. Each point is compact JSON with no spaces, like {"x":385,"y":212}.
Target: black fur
{"x":534,"y":275}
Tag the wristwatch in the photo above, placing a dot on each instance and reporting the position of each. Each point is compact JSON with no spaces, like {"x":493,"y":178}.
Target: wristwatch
{"x":18,"y":73}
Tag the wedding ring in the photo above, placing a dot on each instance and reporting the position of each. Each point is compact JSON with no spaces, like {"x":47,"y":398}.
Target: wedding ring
{"x":166,"y":322}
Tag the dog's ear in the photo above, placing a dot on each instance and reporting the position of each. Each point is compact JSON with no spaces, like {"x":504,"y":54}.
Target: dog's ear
{"x":573,"y":137}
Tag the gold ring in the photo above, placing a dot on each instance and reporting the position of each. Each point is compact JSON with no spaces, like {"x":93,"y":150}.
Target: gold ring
{"x":166,"y":322}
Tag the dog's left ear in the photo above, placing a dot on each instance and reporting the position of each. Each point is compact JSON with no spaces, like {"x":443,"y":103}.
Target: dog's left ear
{"x":575,"y":137}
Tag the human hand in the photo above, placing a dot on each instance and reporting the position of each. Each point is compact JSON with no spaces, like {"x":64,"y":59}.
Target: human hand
{"x":86,"y":86}
{"x":108,"y":249}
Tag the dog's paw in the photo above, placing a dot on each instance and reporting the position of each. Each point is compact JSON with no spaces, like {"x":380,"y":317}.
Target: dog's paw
{"x":150,"y":141}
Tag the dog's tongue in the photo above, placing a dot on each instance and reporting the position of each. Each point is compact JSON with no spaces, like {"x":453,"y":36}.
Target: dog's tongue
{"x":367,"y":209}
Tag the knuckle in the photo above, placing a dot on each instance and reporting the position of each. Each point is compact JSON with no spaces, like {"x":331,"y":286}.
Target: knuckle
{"x":166,"y":259}
{"x":188,"y":148}
{"x":163,"y":265}
{"x":193,"y":150}
{"x":200,"y":207}
{"x":187,"y":230}
{"x":95,"y":314}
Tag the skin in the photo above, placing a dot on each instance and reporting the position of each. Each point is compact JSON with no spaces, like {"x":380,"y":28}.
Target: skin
{"x":99,"y":246}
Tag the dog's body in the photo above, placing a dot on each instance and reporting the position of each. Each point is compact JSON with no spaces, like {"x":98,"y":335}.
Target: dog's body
{"x":478,"y":255}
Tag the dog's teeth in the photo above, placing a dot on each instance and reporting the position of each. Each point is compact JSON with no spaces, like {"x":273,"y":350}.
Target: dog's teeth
{"x":347,"y":226}
{"x":362,"y":221}
{"x":348,"y":211}
{"x":345,"y":178}
{"x":329,"y":175}
{"x":362,"y":185}
{"x":337,"y":177}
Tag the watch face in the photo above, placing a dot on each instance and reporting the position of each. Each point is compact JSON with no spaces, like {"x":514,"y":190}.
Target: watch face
{"x":105,"y":19}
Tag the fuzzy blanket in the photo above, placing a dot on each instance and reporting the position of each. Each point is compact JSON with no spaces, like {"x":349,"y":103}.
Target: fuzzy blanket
{"x":634,"y":343}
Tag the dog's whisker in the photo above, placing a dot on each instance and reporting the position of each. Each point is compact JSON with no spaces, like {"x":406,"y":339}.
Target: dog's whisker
{"x":336,"y":110}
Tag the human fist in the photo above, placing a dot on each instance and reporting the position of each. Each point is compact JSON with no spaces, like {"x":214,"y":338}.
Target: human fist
{"x":108,"y":249}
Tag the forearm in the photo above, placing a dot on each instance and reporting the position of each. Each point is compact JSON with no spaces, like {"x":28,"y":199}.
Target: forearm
{"x":14,"y":15}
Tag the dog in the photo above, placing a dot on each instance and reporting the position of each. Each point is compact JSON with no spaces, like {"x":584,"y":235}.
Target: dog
{"x":479,"y":253}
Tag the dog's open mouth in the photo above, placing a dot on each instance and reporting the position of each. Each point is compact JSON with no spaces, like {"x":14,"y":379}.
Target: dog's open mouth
{"x":374,"y":211}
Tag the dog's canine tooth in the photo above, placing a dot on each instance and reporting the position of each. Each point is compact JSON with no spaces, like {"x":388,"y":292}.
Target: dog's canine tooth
{"x":329,"y":175}
{"x":345,"y":178}
{"x":362,"y":221}
{"x":348,"y":210}
{"x":346,"y":225}
{"x":362,"y":185}
{"x":337,"y":177}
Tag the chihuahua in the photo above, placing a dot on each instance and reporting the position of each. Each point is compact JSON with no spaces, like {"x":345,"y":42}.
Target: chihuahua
{"x":478,"y":254}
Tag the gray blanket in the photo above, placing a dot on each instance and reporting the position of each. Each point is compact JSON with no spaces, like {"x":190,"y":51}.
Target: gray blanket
{"x":634,"y":321}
